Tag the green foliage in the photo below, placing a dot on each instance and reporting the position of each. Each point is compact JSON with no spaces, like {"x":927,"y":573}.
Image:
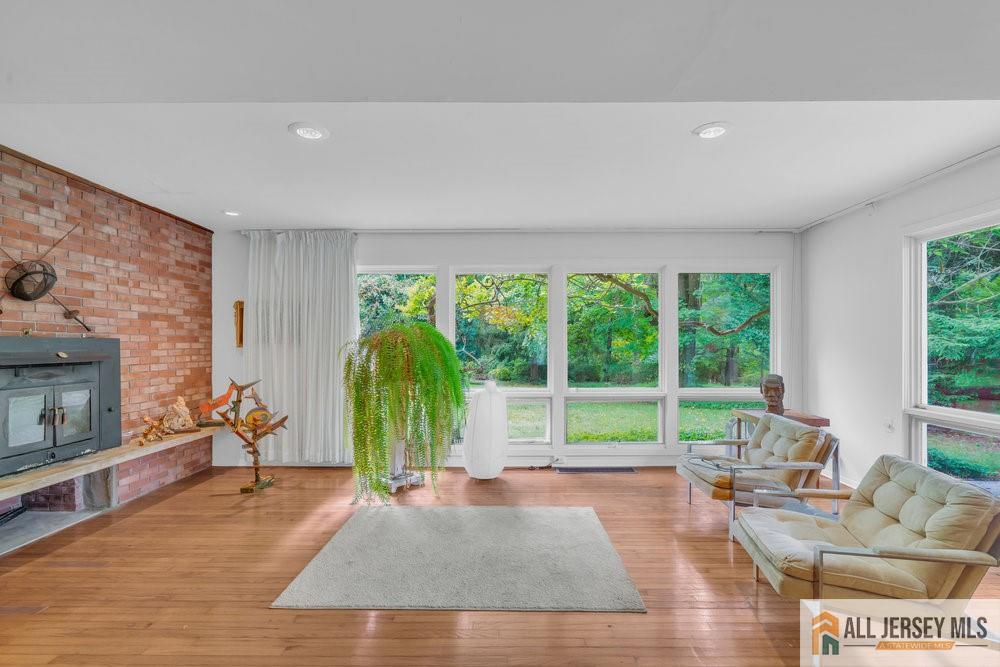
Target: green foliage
{"x":963,"y":320}
{"x":612,"y":329}
{"x":963,"y":455}
{"x":501,"y":327}
{"x":958,"y":464}
{"x":725,"y":328}
{"x":385,"y":299}
{"x":401,"y":383}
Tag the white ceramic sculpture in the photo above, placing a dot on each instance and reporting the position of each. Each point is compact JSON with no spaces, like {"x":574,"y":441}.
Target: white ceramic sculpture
{"x":486,"y":433}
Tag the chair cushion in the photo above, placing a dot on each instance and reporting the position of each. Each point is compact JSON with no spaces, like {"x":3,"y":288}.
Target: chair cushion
{"x":777,"y":439}
{"x":786,"y":539}
{"x":901,"y":504}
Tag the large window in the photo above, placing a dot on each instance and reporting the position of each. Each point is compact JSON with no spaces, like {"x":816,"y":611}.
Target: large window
{"x":385,"y":299}
{"x":963,"y":321}
{"x":956,"y":393}
{"x":628,"y":375}
{"x":724,"y":329}
{"x":501,"y":327}
{"x":612,"y":329}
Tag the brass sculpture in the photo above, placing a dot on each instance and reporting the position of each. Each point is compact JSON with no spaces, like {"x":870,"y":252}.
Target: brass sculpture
{"x":772,"y":388}
{"x":155,"y":430}
{"x":258,"y":422}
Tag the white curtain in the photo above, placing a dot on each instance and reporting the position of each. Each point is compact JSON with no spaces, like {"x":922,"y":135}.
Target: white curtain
{"x":300,"y":312}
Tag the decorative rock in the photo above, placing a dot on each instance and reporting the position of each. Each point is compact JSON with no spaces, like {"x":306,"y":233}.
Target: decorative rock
{"x":178,"y":417}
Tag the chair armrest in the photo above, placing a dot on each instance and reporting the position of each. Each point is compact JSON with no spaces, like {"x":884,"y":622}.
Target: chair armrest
{"x":823,"y":494}
{"x":717,"y":443}
{"x":959,"y":556}
{"x":782,"y":465}
{"x":954,"y":556}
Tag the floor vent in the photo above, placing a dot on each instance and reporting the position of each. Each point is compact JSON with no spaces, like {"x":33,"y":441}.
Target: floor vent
{"x":627,"y":469}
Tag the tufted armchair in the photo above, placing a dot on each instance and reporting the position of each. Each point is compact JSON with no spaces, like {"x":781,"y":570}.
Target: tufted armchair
{"x":906,"y":532}
{"x":780,"y":456}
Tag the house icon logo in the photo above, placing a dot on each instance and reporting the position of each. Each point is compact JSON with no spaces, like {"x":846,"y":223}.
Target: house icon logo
{"x":825,"y":634}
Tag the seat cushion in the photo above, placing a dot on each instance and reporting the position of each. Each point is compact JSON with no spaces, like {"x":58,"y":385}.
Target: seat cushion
{"x":786,"y":539}
{"x":702,"y":468}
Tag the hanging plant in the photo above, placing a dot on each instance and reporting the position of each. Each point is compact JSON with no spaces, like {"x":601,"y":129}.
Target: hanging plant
{"x":403,"y":386}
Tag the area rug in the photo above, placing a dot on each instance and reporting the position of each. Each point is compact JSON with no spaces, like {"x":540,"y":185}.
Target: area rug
{"x":476,"y":558}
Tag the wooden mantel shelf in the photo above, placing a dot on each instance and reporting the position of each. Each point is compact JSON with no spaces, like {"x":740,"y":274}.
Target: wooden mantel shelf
{"x":39,"y":478}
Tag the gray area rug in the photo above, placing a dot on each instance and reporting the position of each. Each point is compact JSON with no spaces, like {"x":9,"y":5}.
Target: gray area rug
{"x":479,"y":558}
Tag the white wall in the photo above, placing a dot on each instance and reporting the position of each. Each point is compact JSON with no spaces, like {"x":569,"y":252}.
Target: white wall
{"x":229,"y":283}
{"x":853,"y":316}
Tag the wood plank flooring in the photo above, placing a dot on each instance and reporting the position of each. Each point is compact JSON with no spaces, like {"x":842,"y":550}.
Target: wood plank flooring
{"x":185,"y":575}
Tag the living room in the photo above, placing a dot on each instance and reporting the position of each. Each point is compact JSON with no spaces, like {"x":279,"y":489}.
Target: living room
{"x":340,"y":333}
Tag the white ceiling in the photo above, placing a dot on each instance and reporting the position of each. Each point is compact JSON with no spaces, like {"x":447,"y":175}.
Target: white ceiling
{"x":497,"y":50}
{"x":488,"y":166}
{"x":466,"y":114}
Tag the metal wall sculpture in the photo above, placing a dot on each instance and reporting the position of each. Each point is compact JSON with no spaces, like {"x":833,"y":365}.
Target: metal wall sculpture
{"x":32,"y":279}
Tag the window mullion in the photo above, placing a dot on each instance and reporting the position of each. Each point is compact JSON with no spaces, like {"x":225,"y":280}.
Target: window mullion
{"x":669,"y":350}
{"x":557,"y":356}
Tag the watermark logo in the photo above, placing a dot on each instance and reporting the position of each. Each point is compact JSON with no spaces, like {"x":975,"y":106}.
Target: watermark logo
{"x":899,"y":633}
{"x":825,"y":634}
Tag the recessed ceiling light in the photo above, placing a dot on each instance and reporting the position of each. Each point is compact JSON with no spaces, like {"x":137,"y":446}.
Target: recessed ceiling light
{"x":232,"y":213}
{"x":712,"y":130}
{"x":309,"y":131}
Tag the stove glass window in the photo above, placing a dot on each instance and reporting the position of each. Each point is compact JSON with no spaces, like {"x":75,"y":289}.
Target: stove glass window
{"x":77,"y":406}
{"x":27,"y":420}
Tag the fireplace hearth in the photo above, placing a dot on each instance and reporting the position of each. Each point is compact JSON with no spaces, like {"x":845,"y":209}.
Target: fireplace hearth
{"x":59,"y":398}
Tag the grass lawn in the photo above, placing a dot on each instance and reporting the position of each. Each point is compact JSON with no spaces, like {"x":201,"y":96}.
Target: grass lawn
{"x":620,"y":421}
{"x":706,"y":420}
{"x":962,"y":454}
{"x":526,"y":421}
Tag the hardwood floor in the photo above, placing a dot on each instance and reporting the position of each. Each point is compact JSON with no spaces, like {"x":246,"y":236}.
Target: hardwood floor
{"x":185,"y":575}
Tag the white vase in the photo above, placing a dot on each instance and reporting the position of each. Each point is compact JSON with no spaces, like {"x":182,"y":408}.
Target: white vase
{"x":486,"y":433}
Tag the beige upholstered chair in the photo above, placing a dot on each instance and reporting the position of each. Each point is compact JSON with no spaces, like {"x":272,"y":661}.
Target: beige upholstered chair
{"x":781,"y":455}
{"x":906,"y":532}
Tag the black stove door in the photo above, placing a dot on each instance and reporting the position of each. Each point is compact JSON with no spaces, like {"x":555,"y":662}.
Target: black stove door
{"x":75,"y":412}
{"x":25,"y":420}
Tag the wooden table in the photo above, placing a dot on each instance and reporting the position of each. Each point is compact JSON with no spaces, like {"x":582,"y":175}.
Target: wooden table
{"x":753,"y":416}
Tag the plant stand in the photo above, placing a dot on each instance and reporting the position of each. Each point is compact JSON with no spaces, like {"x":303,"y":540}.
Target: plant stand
{"x":401,"y":476}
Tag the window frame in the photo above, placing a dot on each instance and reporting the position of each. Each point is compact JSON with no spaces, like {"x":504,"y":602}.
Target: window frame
{"x":917,"y":411}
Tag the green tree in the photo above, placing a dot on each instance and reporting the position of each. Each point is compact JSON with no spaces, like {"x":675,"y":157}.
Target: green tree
{"x":963,"y":319}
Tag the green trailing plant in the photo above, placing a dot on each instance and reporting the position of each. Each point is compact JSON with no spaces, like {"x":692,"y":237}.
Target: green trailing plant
{"x":403,"y":383}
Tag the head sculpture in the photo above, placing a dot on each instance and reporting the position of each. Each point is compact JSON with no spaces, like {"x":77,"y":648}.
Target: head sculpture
{"x":772,"y":388}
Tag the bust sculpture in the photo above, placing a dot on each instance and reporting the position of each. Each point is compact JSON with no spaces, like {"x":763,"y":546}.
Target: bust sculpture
{"x":772,"y":388}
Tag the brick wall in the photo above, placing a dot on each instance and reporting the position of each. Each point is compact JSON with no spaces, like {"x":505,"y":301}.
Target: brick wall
{"x":140,"y":476}
{"x":62,"y":497}
{"x":134,"y":273}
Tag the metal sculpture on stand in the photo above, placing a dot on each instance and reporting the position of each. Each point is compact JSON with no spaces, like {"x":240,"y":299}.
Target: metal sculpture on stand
{"x":257,"y":423}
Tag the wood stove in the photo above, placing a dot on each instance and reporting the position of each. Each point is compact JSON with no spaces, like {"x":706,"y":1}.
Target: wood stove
{"x":59,"y":398}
